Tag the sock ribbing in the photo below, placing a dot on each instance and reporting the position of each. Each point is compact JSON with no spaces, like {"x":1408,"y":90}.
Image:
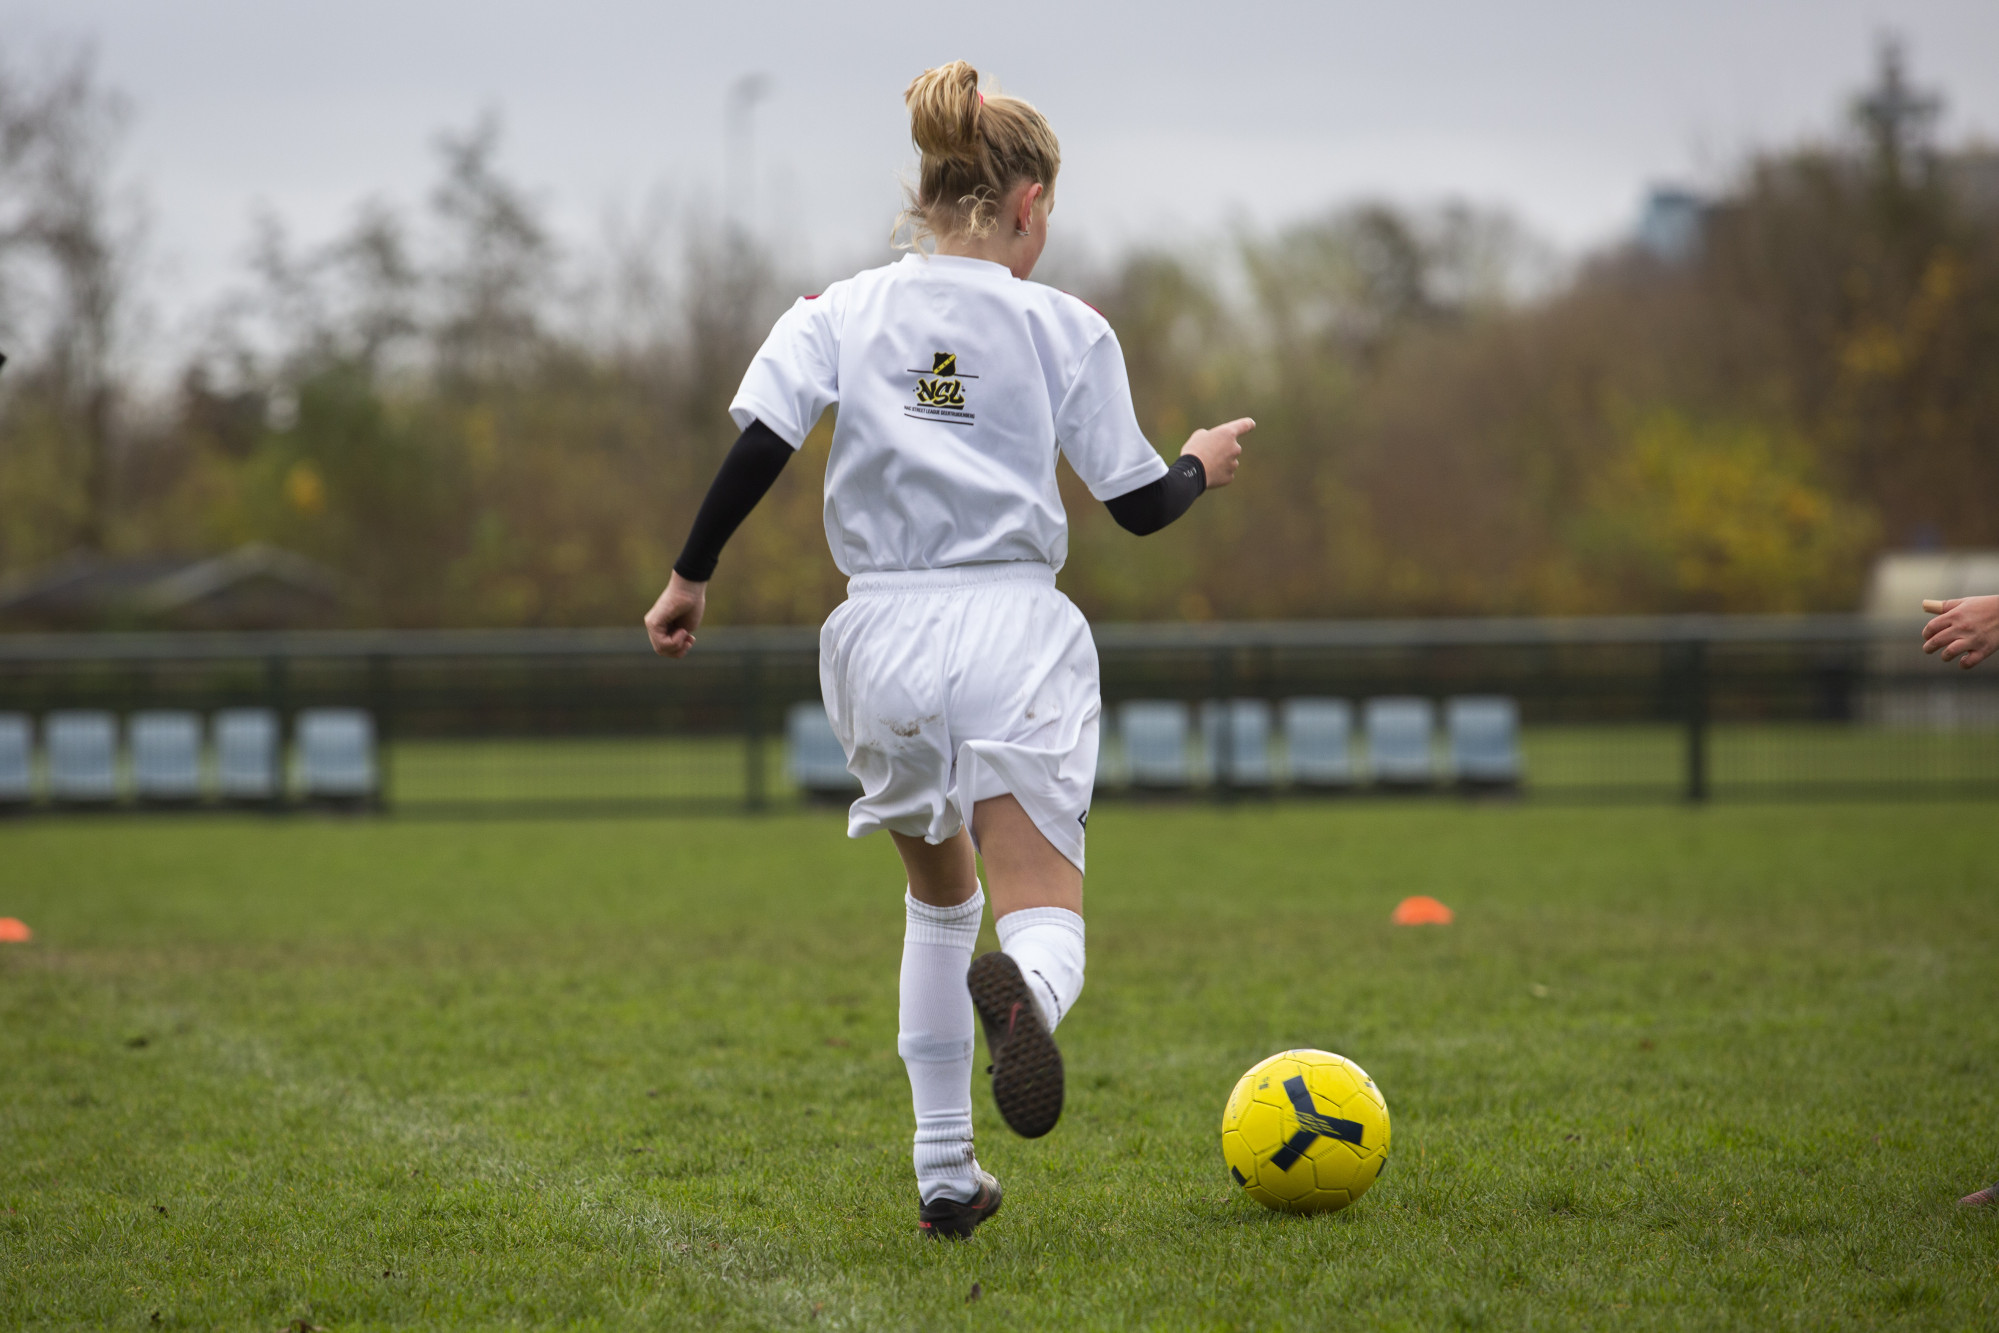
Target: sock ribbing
{"x":927,"y":924}
{"x":1047,"y":943}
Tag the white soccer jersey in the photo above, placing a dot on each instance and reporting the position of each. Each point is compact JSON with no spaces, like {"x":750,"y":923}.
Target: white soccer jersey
{"x":957,"y":383}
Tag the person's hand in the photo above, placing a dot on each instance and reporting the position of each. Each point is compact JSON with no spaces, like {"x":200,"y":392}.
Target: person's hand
{"x":675,"y":616}
{"x":1966,"y":629}
{"x":1218,"y":451}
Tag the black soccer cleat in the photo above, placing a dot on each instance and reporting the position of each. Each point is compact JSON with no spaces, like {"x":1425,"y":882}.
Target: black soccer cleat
{"x":1026,"y":1067}
{"x":954,"y":1220}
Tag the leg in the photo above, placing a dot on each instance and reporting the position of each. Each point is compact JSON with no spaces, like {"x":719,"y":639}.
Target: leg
{"x":1022,"y":867}
{"x":942,"y":876}
{"x":1023,"y":991}
{"x":1037,"y":904}
{"x":942,"y":913}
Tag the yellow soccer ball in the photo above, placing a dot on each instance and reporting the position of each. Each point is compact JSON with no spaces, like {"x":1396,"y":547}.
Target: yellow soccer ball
{"x":1305,"y":1132}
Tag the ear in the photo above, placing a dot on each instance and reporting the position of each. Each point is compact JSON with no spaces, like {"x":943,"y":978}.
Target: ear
{"x":1025,"y":219}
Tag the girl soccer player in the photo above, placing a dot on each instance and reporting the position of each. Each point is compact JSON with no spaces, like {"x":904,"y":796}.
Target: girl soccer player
{"x":961,"y":684}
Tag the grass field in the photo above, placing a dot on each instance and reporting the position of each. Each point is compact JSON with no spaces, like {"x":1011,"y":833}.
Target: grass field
{"x":1671,"y":1068}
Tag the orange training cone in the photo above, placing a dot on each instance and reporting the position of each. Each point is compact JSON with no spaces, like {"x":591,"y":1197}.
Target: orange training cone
{"x":1421,"y":911}
{"x":14,"y":931}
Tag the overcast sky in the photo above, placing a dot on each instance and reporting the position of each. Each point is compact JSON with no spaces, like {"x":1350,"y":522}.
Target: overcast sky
{"x":1175,"y":117}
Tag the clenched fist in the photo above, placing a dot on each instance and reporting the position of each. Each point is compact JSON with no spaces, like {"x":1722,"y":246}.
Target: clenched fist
{"x":675,"y":616}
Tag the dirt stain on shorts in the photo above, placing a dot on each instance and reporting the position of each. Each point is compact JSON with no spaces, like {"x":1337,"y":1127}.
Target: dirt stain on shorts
{"x":908,"y":729}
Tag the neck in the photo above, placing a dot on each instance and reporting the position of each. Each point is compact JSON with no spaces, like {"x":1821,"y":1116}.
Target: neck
{"x":1014,"y":253}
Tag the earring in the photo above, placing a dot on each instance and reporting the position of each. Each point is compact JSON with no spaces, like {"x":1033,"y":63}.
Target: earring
{"x":1019,"y":232}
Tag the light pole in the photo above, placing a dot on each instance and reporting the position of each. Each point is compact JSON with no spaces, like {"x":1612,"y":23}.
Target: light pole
{"x":739,"y":145}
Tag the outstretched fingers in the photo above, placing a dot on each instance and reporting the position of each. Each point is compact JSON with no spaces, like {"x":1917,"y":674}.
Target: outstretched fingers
{"x":1962,"y":644}
{"x":1943,"y":628}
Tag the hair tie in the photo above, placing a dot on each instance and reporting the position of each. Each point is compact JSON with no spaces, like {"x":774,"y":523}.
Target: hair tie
{"x":982,"y":99}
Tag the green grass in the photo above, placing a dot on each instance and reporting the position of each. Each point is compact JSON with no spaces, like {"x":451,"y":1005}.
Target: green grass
{"x":606,"y":769}
{"x":1671,"y":1068}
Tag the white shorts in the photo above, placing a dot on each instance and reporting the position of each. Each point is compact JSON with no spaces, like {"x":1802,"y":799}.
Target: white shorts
{"x":949,"y":686}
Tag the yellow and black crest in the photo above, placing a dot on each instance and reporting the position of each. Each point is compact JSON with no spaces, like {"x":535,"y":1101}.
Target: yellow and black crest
{"x":940,"y":391}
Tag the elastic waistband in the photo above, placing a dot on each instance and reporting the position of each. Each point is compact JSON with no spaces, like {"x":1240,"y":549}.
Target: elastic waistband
{"x":957,"y":576}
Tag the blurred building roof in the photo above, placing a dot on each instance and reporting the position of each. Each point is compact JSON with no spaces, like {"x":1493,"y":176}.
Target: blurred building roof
{"x":251,"y":587}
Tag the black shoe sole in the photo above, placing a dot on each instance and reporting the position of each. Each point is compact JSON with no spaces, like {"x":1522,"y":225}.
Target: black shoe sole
{"x":1027,"y":1067}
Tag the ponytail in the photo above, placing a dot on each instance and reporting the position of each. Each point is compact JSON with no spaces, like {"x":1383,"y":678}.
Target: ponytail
{"x":974,"y":149}
{"x":944,"y":108}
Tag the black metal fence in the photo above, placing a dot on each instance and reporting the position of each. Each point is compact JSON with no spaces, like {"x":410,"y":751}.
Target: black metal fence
{"x":1648,"y":708}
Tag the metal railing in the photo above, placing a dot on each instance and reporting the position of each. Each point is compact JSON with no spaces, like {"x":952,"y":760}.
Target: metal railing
{"x":1683,"y":707}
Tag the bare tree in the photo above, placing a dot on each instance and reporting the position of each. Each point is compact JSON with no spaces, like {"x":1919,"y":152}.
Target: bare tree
{"x":66,"y":264}
{"x":500,"y":267}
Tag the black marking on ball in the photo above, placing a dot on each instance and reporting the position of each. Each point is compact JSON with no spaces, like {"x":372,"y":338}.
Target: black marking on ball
{"x":1312,"y":1125}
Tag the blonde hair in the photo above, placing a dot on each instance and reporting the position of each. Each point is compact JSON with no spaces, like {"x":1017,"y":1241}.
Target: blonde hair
{"x":974,"y":149}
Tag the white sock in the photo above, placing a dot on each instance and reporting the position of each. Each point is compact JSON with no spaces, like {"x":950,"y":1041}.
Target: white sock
{"x":936,"y":1042}
{"x":1047,"y":942}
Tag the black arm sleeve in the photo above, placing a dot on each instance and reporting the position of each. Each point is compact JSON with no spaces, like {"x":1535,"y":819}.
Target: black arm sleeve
{"x":754,"y":461}
{"x":1157,"y":503}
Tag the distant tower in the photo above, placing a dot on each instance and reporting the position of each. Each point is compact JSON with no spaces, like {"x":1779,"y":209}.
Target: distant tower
{"x":1673,"y":224}
{"x":1895,"y":117}
{"x":739,"y":150}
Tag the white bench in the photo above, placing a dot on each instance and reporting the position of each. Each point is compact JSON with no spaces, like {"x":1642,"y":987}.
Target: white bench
{"x":1484,"y":732}
{"x":813,"y":757}
{"x":336,"y":754}
{"x":1399,"y":731}
{"x":1318,"y":734}
{"x":246,"y":754}
{"x":166,"y":755}
{"x":1110,"y":752}
{"x":83,"y":755}
{"x":17,"y":759}
{"x":1155,"y":743}
{"x":1236,"y":736}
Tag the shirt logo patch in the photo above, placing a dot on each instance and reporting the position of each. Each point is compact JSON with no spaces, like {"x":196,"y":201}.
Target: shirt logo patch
{"x":940,"y":392}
